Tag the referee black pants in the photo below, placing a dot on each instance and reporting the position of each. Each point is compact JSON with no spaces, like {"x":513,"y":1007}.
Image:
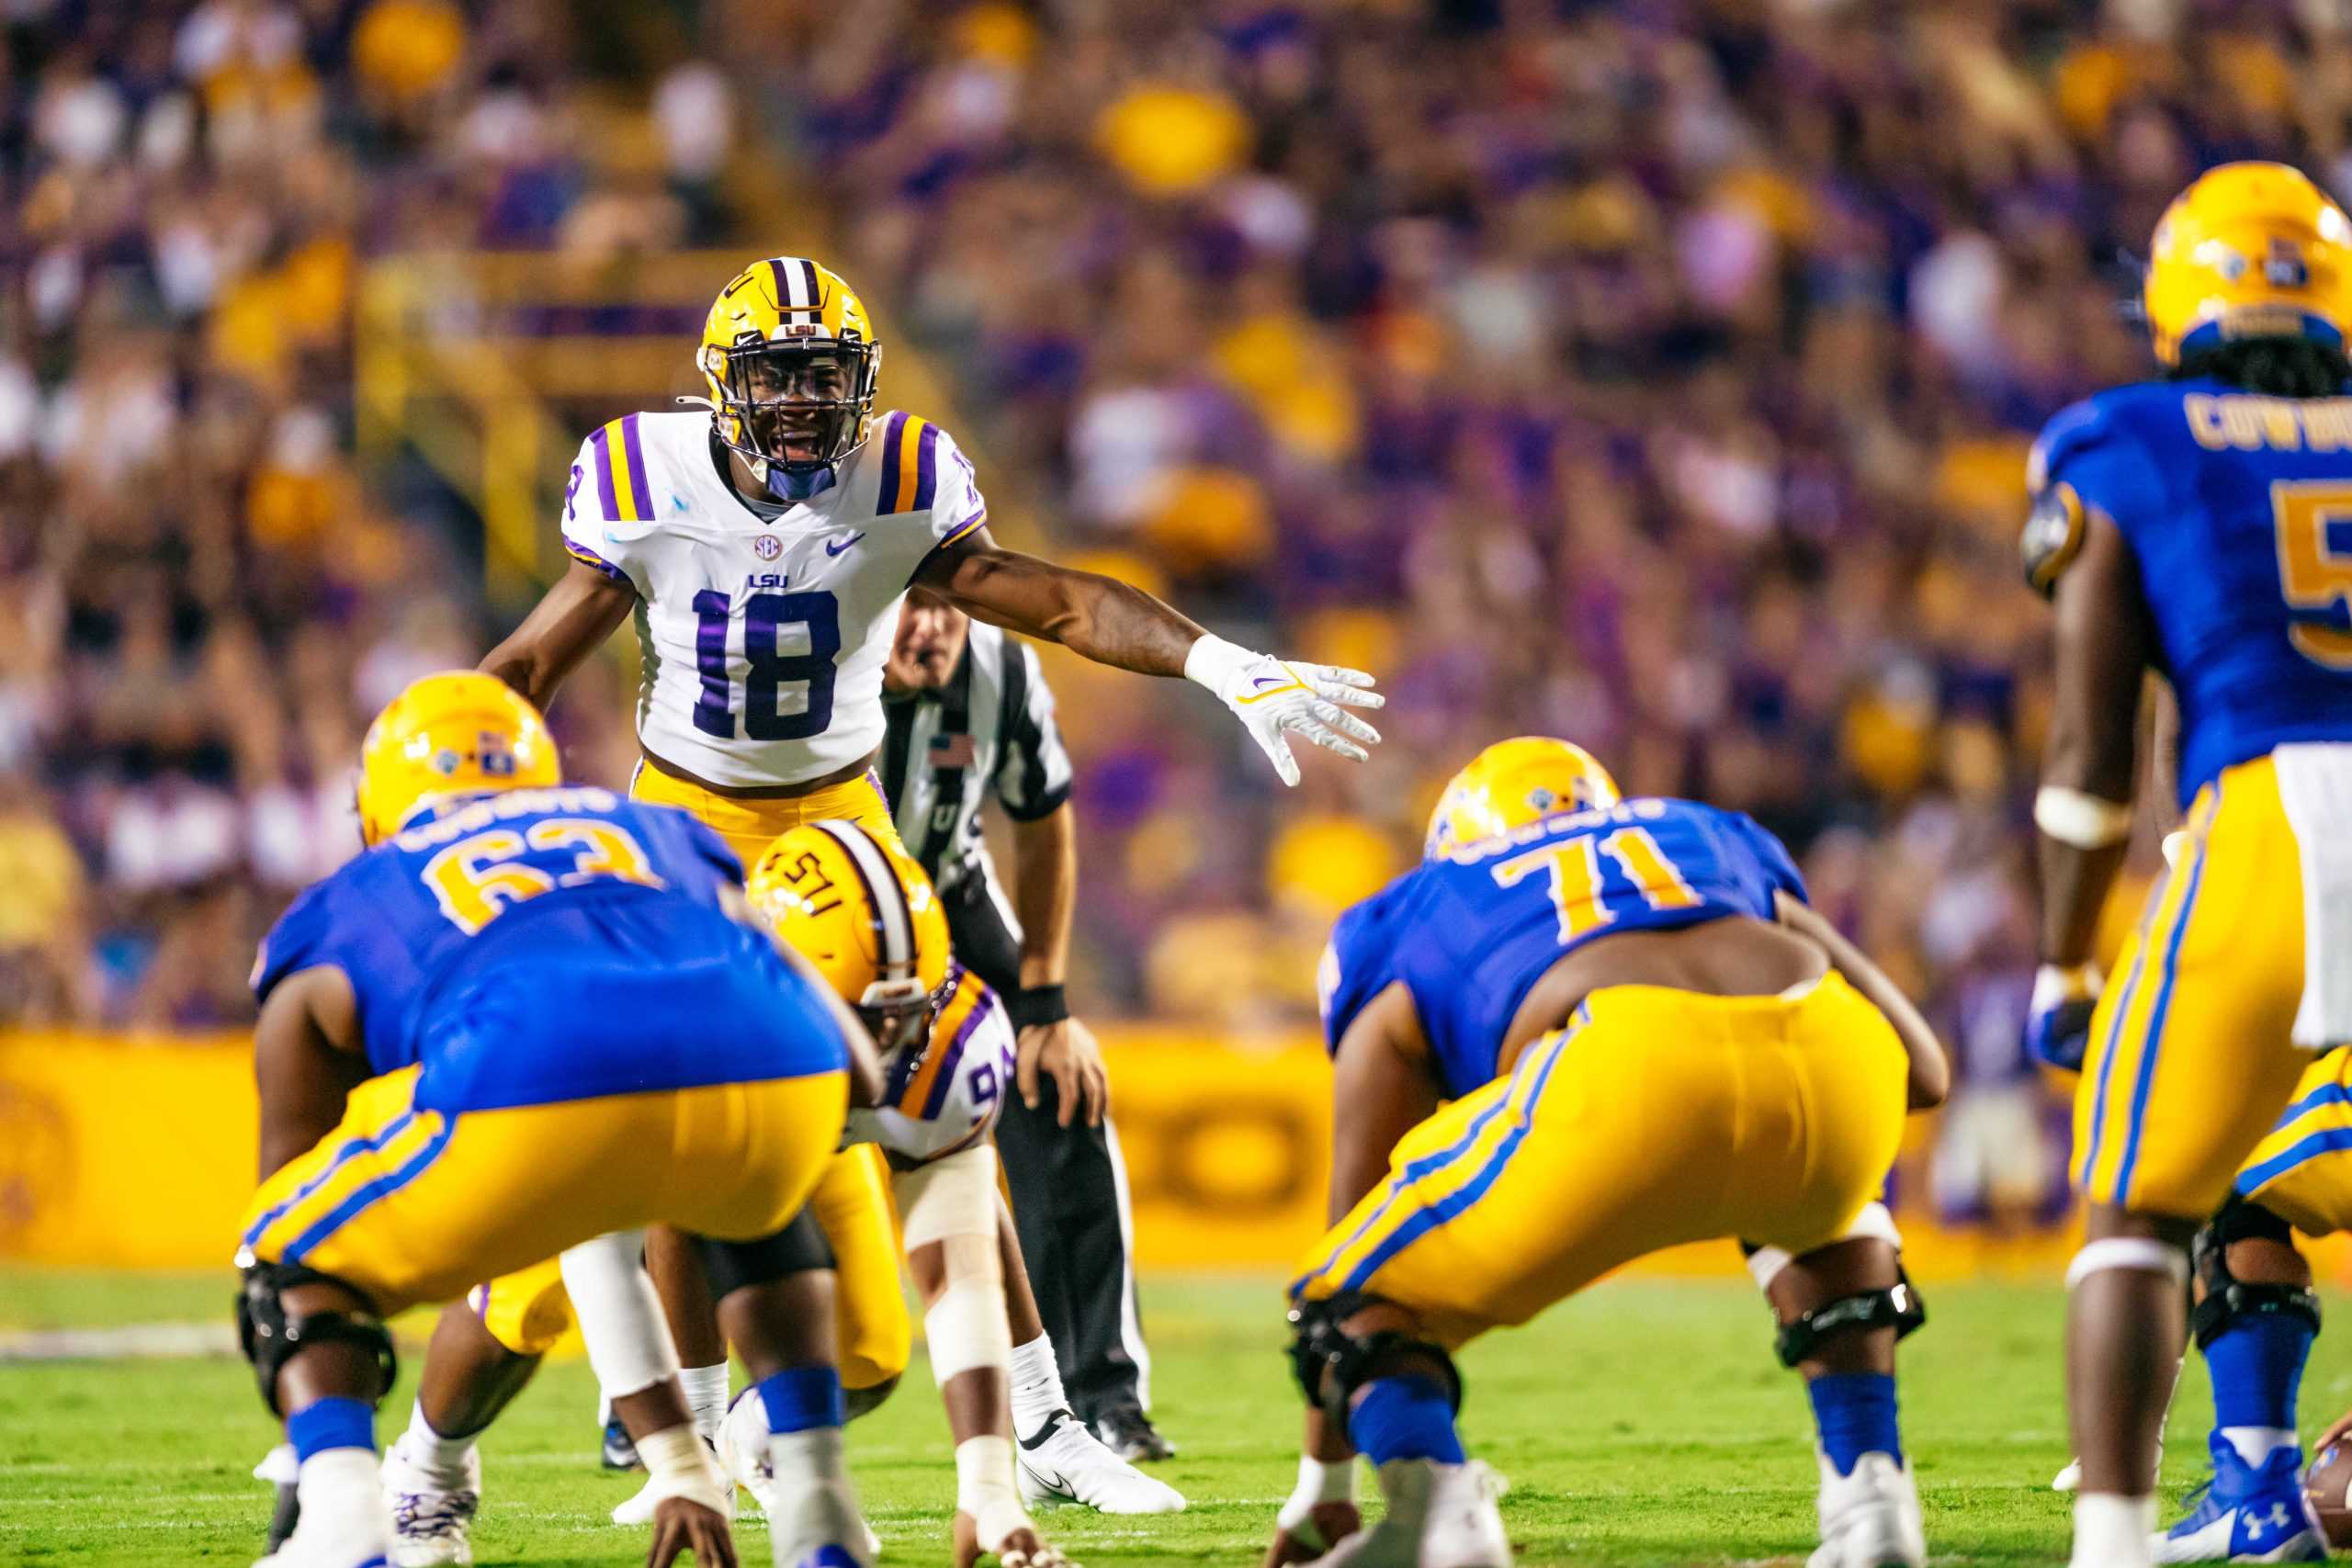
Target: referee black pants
{"x":1069,"y":1201}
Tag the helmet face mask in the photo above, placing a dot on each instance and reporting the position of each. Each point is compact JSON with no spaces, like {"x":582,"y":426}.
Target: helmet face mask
{"x":798,"y":405}
{"x":897,"y":1013}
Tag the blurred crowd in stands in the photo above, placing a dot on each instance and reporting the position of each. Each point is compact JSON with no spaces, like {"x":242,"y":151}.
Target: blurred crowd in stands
{"x":1657,"y":373}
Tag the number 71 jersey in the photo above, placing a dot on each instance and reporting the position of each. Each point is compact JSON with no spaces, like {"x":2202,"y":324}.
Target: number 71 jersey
{"x":1468,"y":935}
{"x":763,"y":641}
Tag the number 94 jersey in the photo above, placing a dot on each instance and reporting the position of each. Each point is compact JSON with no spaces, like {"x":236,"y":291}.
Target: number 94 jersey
{"x":1470,"y":934}
{"x":762,"y":641}
{"x":2238,"y":510}
{"x":944,"y":1097}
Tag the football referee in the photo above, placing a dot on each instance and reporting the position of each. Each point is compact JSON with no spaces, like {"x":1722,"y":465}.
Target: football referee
{"x":970,"y":716}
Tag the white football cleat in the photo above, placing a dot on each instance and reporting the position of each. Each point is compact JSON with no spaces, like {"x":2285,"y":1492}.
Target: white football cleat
{"x":344,"y":1524}
{"x":433,"y":1514}
{"x":1066,"y":1463}
{"x":1440,"y":1515}
{"x":1870,"y":1518}
{"x":816,"y":1515}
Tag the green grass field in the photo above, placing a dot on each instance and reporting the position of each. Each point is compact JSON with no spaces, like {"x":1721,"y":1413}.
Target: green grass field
{"x":1646,"y":1423}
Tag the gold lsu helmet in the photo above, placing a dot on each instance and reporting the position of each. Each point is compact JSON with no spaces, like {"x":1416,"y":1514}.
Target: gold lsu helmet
{"x":458,"y":732}
{"x":791,"y":361}
{"x":863,"y":913}
{"x":2249,"y":250}
{"x":1511,"y":784}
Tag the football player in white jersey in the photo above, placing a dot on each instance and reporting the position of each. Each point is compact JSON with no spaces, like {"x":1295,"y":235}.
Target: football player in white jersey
{"x":762,"y":546}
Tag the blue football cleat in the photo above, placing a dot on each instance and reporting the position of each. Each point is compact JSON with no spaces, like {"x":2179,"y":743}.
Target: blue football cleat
{"x":2247,"y":1514}
{"x":619,"y":1452}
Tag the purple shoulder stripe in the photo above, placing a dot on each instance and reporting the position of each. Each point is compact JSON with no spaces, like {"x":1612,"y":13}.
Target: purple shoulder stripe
{"x":894,"y":430}
{"x":926,"y":468}
{"x":642,"y":497}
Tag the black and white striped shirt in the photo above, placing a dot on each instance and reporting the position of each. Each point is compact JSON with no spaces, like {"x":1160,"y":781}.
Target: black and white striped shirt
{"x":989,"y":728}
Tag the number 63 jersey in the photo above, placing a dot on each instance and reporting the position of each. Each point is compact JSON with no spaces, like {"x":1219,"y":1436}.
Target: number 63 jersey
{"x":535,"y":946}
{"x":944,"y":1097}
{"x":1469,"y":934}
{"x":762,"y":641}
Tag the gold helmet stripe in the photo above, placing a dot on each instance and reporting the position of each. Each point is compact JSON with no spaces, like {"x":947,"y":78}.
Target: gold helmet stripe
{"x":894,"y":925}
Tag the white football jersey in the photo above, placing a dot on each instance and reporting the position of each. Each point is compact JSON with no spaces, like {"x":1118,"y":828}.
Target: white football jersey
{"x":763,"y":641}
{"x":947,"y":1096}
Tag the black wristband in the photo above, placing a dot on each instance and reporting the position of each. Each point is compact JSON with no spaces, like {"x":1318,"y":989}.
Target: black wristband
{"x":1034,"y":1005}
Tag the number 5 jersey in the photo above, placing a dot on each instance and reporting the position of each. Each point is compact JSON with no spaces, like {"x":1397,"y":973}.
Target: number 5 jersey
{"x":544,"y":945}
{"x":763,"y":638}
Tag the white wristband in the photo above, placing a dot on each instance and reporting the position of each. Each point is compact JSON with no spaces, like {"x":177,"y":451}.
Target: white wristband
{"x":2056,"y":983}
{"x":1211,"y":658}
{"x":1325,"y":1481}
{"x":2082,"y":820}
{"x":986,"y":1490}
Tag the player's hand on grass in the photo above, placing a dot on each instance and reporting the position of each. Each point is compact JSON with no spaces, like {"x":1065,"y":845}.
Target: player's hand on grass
{"x":1020,"y":1548}
{"x":1312,"y":1533}
{"x":682,"y":1525}
{"x":1276,"y":698}
{"x":1064,"y":1051}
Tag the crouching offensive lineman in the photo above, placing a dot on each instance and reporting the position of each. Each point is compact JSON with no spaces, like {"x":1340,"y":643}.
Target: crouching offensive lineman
{"x":1647,"y":1039}
{"x":524,"y":1017}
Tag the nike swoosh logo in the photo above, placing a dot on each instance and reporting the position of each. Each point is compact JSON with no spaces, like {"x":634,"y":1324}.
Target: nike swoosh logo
{"x":1053,"y":1424}
{"x":1269,"y":680}
{"x":833,"y":550}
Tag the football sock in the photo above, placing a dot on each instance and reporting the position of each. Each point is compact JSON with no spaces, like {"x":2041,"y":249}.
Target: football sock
{"x":2257,"y":1369}
{"x":1036,"y":1386}
{"x":706,"y":1392}
{"x":1405,"y":1418}
{"x":2111,"y":1530}
{"x":801,"y":1398}
{"x":1855,"y":1414}
{"x":329,"y":1424}
{"x":428,"y":1450}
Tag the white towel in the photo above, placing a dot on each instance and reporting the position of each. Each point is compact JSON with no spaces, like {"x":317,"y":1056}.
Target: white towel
{"x":2316,"y":786}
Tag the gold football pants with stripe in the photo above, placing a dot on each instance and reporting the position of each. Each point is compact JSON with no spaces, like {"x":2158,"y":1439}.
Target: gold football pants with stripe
{"x":1657,"y":1117}
{"x":2192,"y":1056}
{"x":413,"y":1205}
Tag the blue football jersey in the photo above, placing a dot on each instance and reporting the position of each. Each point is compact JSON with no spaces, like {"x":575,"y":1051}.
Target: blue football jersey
{"x":540,"y":945}
{"x":2238,"y":509}
{"x":1469,"y":935}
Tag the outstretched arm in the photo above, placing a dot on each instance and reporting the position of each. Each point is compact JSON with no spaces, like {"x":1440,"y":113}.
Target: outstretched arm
{"x":1115,"y":624}
{"x":585,"y":606}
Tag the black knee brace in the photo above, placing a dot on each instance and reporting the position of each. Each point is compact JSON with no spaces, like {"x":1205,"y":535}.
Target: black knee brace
{"x":1897,"y":1306}
{"x":2227,"y":1299}
{"x":270,"y":1338}
{"x":1332,"y":1364}
{"x":797,"y":1249}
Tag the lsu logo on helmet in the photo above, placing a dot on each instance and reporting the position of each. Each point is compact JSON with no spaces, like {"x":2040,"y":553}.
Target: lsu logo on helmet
{"x":459,"y":732}
{"x":790,"y":358}
{"x":863,"y":914}
{"x":2249,"y":250}
{"x":1511,"y":784}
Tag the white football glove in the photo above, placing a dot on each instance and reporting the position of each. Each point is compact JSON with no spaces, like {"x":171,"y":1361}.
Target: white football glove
{"x":1271,"y":695}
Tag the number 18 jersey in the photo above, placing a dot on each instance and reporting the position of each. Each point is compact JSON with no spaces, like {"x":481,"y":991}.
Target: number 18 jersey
{"x":2238,"y":510}
{"x":762,"y":640}
{"x":1470,"y":934}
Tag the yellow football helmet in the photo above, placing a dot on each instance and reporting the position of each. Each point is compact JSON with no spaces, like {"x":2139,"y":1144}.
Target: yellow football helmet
{"x":864,"y":914}
{"x":459,"y":732}
{"x":1512,"y":783}
{"x":791,"y":361}
{"x":2250,"y":250}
